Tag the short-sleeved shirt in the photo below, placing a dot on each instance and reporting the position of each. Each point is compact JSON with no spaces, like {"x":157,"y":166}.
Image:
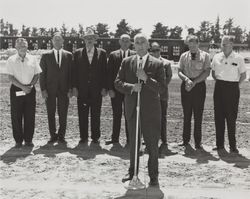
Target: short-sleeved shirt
{"x":193,"y":68}
{"x":228,"y":68}
{"x":25,"y":70}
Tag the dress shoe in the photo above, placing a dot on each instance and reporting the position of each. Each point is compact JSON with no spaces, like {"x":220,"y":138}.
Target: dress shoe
{"x":199,"y":147}
{"x":154,"y":182}
{"x":127,"y":177}
{"x":234,"y":150}
{"x":218,"y":148}
{"x":111,"y":142}
{"x":52,"y":140}
{"x":62,"y":140}
{"x":18,"y":145}
{"x":83,"y":141}
{"x":29,"y":144}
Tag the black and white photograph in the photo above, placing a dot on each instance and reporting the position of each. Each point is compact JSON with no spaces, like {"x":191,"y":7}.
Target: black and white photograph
{"x":124,"y":99}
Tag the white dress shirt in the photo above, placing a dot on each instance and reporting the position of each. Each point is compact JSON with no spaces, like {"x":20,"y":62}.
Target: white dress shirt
{"x":90,"y":54}
{"x":60,"y":56}
{"x":23,"y":69}
{"x":144,"y":59}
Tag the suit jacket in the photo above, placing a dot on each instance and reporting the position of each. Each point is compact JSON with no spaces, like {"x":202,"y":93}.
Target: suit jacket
{"x":168,"y":73}
{"x":150,"y":97}
{"x":90,"y":77}
{"x":114,"y":63}
{"x":53,"y":78}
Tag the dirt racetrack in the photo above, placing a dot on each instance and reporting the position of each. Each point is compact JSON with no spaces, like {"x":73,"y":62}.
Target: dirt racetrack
{"x":95,"y":171}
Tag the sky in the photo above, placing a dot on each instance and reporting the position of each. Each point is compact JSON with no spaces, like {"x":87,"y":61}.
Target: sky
{"x":138,"y":13}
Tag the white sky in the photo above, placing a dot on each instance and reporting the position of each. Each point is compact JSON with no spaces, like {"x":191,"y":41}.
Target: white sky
{"x":138,"y":13}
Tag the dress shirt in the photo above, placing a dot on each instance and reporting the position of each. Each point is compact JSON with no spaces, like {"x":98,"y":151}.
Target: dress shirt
{"x":60,"y":56}
{"x":228,"y":68}
{"x":90,"y":54}
{"x":144,"y":59}
{"x":23,"y":69}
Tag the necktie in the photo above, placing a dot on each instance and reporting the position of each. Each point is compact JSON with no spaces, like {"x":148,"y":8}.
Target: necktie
{"x":140,"y":63}
{"x":58,"y":58}
{"x":123,"y":54}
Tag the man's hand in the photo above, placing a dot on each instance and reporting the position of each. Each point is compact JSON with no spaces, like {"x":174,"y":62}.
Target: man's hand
{"x":111,"y":93}
{"x":26,"y":89}
{"x":44,"y":94}
{"x":189,"y":85}
{"x":104,"y":92}
{"x":141,"y":74}
{"x":75,"y":92}
{"x":136,"y":88}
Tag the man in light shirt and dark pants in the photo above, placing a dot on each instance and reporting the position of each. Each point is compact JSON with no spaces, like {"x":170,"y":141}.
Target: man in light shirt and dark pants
{"x":229,"y":71}
{"x":23,"y":70}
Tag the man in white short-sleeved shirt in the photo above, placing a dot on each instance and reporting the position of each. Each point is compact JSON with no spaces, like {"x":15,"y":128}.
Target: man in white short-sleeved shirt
{"x":23,"y":70}
{"x":229,"y":71}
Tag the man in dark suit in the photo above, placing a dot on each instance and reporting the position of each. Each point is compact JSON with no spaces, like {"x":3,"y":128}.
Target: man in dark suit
{"x":55,"y":83}
{"x":117,"y":98}
{"x":89,"y":85}
{"x":156,"y":52}
{"x":150,"y":71}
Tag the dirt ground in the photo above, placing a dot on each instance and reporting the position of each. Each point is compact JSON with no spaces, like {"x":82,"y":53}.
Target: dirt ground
{"x":95,"y":171}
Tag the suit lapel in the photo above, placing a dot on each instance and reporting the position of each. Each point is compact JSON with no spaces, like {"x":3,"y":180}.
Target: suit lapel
{"x":148,"y":63}
{"x":134,"y":64}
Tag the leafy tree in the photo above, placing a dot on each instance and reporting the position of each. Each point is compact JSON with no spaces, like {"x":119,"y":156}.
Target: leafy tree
{"x":175,"y":33}
{"x":239,"y":34}
{"x":228,"y":27}
{"x":160,"y":31}
{"x":42,"y":31}
{"x":80,"y":30}
{"x":25,"y":31}
{"x":134,"y":32}
{"x":102,"y":30}
{"x":73,"y":32}
{"x":34,"y":31}
{"x":122,"y":28}
{"x":204,"y":33}
{"x":217,"y":35}
{"x":64,"y":30}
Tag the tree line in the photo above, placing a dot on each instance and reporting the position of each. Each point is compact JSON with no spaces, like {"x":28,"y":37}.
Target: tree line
{"x":207,"y":31}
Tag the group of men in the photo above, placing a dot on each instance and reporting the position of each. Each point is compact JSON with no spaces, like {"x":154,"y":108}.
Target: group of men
{"x":88,"y":75}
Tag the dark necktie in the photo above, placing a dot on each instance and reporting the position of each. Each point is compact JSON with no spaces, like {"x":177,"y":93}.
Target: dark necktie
{"x":123,"y":54}
{"x":58,"y":58}
{"x":140,"y":63}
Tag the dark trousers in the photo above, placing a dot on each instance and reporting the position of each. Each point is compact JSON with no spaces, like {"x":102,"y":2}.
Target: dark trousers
{"x":22,"y":114}
{"x":117,"y":102}
{"x":151,"y":135}
{"x":226,"y":102}
{"x":94,"y":106}
{"x":61,"y":101}
{"x":164,"y":106}
{"x":193,"y":103}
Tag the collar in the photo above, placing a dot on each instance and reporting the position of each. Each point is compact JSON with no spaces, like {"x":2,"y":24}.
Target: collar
{"x":232,"y":54}
{"x":144,"y":58}
{"x":60,"y":50}
{"x":92,"y":49}
{"x":20,"y":58}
